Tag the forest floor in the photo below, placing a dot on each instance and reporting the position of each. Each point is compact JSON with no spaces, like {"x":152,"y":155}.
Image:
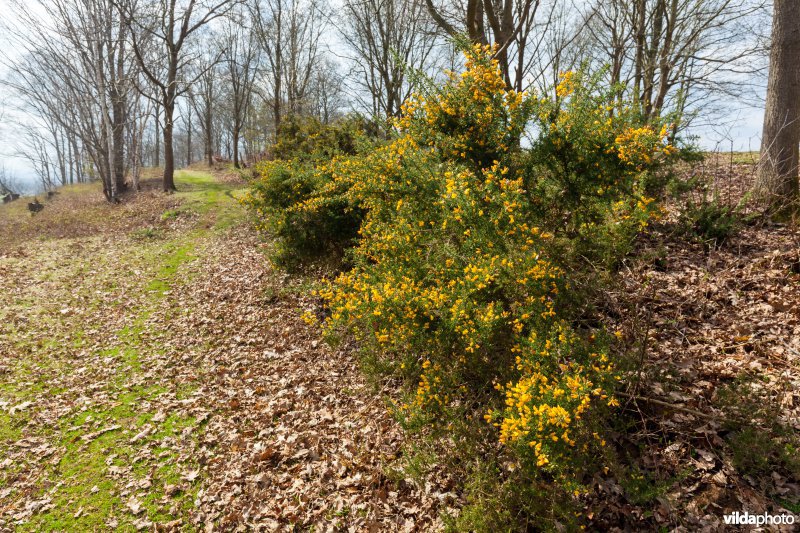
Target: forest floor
{"x":711,"y":323}
{"x":155,"y":374}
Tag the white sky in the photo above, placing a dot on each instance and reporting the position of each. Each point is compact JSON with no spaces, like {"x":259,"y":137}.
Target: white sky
{"x":739,"y":129}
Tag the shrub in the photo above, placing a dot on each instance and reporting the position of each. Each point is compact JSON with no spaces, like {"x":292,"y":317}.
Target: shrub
{"x":279,"y":184}
{"x":709,"y":219}
{"x":307,"y":139}
{"x":475,"y":220}
{"x":592,"y":171}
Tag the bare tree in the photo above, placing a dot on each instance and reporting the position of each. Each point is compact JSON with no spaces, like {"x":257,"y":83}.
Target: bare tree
{"x":140,"y":112}
{"x":160,"y":31}
{"x":290,"y":33}
{"x":674,"y":53}
{"x":8,"y":182}
{"x":187,"y":118}
{"x":507,"y":23}
{"x":77,"y":86}
{"x":241,"y":59}
{"x":388,"y":37}
{"x":203,"y":98}
{"x":777,"y":172}
{"x":327,"y":91}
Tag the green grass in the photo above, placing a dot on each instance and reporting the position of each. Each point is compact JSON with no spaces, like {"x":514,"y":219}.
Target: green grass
{"x":84,"y":467}
{"x":215,"y":202}
{"x":743,"y":157}
{"x":737,"y":158}
{"x":145,"y":234}
{"x":793,"y":507}
{"x":173,"y":256}
{"x":80,"y":480}
{"x":11,"y":426}
{"x":169,"y":214}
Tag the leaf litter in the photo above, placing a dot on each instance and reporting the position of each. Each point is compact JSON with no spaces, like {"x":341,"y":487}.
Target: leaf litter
{"x":716,"y":329}
{"x":205,"y":403}
{"x":208,"y":402}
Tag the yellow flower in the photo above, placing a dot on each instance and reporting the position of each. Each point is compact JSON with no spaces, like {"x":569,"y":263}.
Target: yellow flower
{"x":566,"y":84}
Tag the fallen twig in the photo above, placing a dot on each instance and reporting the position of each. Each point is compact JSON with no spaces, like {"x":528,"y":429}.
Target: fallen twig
{"x":91,"y":436}
{"x":676,"y":407}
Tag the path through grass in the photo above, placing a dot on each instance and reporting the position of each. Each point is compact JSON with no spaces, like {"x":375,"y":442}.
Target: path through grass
{"x":156,"y":374}
{"x":97,"y":423}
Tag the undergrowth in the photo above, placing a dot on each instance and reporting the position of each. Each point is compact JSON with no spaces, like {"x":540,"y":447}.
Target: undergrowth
{"x":473,"y":240}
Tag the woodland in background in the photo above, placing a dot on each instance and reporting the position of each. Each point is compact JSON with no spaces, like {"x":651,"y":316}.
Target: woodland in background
{"x":168,"y":83}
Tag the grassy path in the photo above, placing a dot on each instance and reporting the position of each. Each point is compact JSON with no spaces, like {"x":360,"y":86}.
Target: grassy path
{"x":93,"y":429}
{"x":155,"y":374}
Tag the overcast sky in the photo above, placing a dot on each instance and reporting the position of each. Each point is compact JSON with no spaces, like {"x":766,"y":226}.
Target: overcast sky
{"x":738,"y":128}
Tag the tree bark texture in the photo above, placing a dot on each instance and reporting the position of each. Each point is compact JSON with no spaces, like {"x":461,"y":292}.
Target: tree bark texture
{"x":776,"y":181}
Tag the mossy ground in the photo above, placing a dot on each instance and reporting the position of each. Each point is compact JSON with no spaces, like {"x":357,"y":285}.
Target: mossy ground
{"x":156,"y":374}
{"x":81,"y":323}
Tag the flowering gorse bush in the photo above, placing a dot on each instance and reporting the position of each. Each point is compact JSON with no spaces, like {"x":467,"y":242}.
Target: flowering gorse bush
{"x":294,"y":174}
{"x":473,"y":120}
{"x":461,"y":273}
{"x":593,"y":167}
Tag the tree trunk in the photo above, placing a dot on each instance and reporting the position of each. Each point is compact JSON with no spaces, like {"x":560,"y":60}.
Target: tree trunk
{"x":651,"y":56}
{"x":278,"y":73}
{"x":189,"y":139}
{"x":134,"y":151}
{"x":77,"y":156}
{"x":119,"y":119}
{"x":169,"y":153}
{"x":236,"y":147}
{"x":107,"y":130}
{"x":157,"y":158}
{"x":209,"y":137}
{"x":640,"y":10}
{"x":776,"y":181}
{"x":60,"y":158}
{"x":71,"y":163}
{"x":276,"y":108}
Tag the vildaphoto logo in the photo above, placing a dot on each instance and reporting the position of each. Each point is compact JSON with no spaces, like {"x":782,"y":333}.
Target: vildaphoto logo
{"x":745,"y":519}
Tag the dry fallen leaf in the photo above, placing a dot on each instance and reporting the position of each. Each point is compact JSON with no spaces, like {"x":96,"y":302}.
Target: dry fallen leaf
{"x":134,"y":505}
{"x":19,"y":407}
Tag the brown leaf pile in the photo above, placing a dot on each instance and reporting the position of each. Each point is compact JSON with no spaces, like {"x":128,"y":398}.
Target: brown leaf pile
{"x":271,"y":429}
{"x":298,"y":436}
{"x":702,"y":320}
